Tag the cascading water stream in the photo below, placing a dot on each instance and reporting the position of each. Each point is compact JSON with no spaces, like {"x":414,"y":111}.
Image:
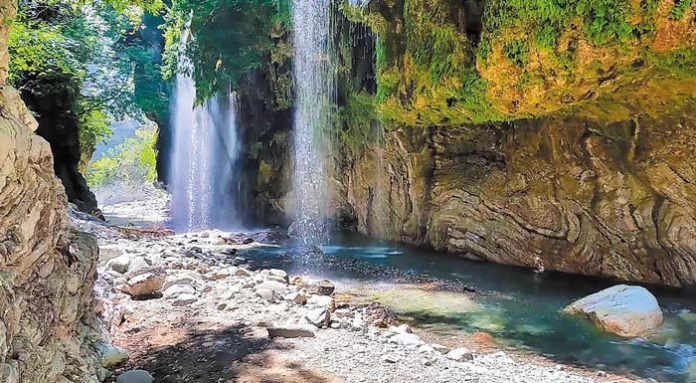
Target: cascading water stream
{"x":204,"y":155}
{"x":313,"y":96}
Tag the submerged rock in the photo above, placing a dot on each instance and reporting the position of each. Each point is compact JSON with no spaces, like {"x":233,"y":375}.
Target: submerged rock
{"x":628,"y":311}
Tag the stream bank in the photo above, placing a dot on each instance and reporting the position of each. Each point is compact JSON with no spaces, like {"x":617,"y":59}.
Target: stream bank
{"x":211,"y":306}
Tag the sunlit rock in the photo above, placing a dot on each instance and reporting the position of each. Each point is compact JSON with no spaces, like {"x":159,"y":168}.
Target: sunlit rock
{"x":628,"y":311}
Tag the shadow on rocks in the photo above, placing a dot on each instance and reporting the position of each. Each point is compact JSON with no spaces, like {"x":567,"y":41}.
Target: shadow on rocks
{"x":230,"y":354}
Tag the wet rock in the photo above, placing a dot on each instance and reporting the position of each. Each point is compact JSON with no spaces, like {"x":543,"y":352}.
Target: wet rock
{"x":460,"y":354}
{"x":229,"y":251}
{"x":145,"y":285}
{"x":325,"y":287}
{"x":238,"y":261}
{"x":135,"y":376}
{"x":297,"y":331}
{"x":628,"y":311}
{"x":248,"y":241}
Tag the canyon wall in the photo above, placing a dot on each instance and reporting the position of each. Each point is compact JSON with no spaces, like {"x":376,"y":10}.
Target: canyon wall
{"x":558,"y":193}
{"x":47,"y":270}
{"x":554,"y":137}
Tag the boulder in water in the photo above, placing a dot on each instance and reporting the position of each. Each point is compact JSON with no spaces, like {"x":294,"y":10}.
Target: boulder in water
{"x":628,"y":311}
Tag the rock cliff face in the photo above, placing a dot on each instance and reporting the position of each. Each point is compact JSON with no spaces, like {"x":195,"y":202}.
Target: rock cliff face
{"x":558,"y":193}
{"x":528,"y":133}
{"x":46,"y":270}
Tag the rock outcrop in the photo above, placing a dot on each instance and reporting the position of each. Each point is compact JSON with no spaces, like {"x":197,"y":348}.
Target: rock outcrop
{"x":559,"y":193}
{"x":46,"y":270}
{"x":628,"y":311}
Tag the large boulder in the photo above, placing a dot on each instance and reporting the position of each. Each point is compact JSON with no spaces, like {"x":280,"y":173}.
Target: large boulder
{"x":628,"y":311}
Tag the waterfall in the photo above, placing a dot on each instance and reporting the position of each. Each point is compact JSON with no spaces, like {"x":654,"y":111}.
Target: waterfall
{"x":204,"y":158}
{"x":313,"y":96}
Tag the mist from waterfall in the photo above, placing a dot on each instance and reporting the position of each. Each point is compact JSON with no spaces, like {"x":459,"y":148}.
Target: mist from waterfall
{"x":313,"y":95}
{"x":205,"y":151}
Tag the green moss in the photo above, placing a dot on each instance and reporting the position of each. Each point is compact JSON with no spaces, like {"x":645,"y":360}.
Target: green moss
{"x":679,"y":9}
{"x":680,"y":63}
{"x":517,"y":52}
{"x":606,"y":21}
{"x":355,"y":120}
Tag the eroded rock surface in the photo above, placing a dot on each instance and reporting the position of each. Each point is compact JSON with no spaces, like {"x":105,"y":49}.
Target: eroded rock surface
{"x":46,"y":269}
{"x":559,"y":193}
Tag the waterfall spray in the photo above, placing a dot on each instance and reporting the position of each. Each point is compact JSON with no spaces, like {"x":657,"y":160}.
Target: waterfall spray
{"x":314,"y":93}
{"x":204,"y":156}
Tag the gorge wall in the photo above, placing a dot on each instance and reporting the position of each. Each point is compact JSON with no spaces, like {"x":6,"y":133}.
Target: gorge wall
{"x":538,"y":134}
{"x":534,"y":134}
{"x":47,"y":270}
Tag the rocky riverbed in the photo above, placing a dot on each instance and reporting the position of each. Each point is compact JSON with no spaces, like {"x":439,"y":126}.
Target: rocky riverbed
{"x":189,"y":308}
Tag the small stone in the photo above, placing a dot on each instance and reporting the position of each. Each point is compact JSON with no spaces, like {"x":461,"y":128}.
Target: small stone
{"x":222,"y":306}
{"x":325,"y":287}
{"x":390,"y":358}
{"x":297,"y":281}
{"x":406,"y":339}
{"x":279,"y":273}
{"x":440,"y":348}
{"x":319,"y":317}
{"x":242,"y":273}
{"x":460,"y":354}
{"x":248,"y":241}
{"x":229,"y":251}
{"x":184,"y":299}
{"x":238,"y":261}
{"x":291,"y":332}
{"x":296,"y":297}
{"x":219,"y":274}
{"x":120,"y":264}
{"x":175,"y":291}
{"x":144,"y":285}
{"x":265,"y":293}
{"x":135,"y":376}
{"x":322,"y":301}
